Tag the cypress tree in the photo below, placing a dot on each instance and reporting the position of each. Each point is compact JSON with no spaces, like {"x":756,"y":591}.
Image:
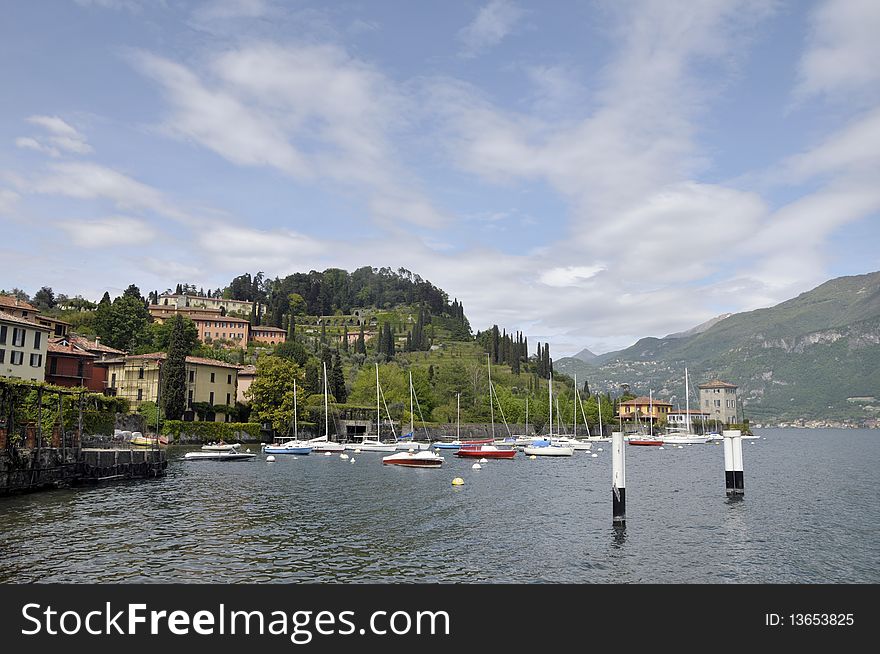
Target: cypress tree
{"x":344,"y":339}
{"x":361,"y":346}
{"x":337,"y":379}
{"x":174,"y":373}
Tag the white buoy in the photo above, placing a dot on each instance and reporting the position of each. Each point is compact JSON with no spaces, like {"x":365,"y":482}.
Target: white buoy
{"x":328,"y":453}
{"x":660,"y":448}
{"x":476,"y":466}
{"x":351,"y":461}
{"x":270,"y":459}
{"x":533,"y":457}
{"x":343,"y":456}
{"x":357,"y":450}
{"x":600,"y":450}
{"x":484,"y":460}
{"x":594,"y":456}
{"x":248,"y":450}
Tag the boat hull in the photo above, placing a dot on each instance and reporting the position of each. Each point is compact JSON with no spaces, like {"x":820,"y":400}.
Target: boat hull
{"x":218,"y":456}
{"x":548,"y":450}
{"x":645,"y":442}
{"x":302,"y":451}
{"x":414,"y":460}
{"x":480,"y":453}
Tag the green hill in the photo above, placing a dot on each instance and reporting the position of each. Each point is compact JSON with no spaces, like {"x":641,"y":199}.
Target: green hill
{"x":814,"y":357}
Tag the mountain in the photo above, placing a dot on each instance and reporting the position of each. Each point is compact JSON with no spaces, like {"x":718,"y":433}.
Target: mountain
{"x":699,"y":329}
{"x":814,"y":357}
{"x":585,"y":355}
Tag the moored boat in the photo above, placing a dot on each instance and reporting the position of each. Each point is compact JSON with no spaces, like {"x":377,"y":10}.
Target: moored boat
{"x":420,"y":459}
{"x":139,"y":440}
{"x":218,"y":456}
{"x":220,"y":447}
{"x":485,"y":451}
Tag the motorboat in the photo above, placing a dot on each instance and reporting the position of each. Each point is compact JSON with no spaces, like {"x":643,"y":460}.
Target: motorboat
{"x":446,"y":445}
{"x":420,"y":459}
{"x":288,"y":445}
{"x":139,"y":440}
{"x":220,"y":447}
{"x":545,"y":447}
{"x":576,"y":444}
{"x":487,"y":451}
{"x":218,"y":456}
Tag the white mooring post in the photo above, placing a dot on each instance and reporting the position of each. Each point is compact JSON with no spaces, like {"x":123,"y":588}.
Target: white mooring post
{"x":733,"y":462}
{"x":618,"y":478}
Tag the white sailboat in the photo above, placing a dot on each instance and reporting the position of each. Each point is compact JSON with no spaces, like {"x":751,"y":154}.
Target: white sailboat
{"x":408,"y":441}
{"x":545,"y":447}
{"x":679,"y":436}
{"x":289,"y":444}
{"x":374,"y":444}
{"x":323,"y":443}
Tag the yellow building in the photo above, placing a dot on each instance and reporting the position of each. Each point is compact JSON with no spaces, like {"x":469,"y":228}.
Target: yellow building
{"x":136,"y":378}
{"x":643,"y":407}
{"x":23,"y":347}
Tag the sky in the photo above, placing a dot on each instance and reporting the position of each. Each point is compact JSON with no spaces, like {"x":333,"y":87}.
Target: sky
{"x":588,"y":172}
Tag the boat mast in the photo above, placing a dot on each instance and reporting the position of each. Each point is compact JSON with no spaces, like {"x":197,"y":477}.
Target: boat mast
{"x":550,"y":391}
{"x":599,"y":398}
{"x":687,"y":402}
{"x":651,"y":410}
{"x":326,"y":419}
{"x":491,"y":405}
{"x":527,"y":416}
{"x":412,"y":429}
{"x":377,"y":401}
{"x":458,"y":417}
{"x":295,"y":437}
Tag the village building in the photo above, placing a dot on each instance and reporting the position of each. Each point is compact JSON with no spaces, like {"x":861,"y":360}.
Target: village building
{"x":211,"y":324}
{"x":268,"y":335}
{"x":679,"y":418}
{"x":718,"y":399}
{"x":23,"y":347}
{"x":643,"y":408}
{"x":186,"y":301}
{"x":137,"y":377}
{"x":246,"y":376}
{"x":69,"y":364}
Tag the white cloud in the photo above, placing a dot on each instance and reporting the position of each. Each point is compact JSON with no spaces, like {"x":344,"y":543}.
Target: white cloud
{"x":312,"y":112}
{"x":108,"y":232}
{"x":62,"y":136}
{"x":843,"y":50}
{"x":88,"y":181}
{"x":493,"y":22}
{"x":241,"y":248}
{"x":569,"y":275}
{"x":227,"y":9}
{"x":28,"y":143}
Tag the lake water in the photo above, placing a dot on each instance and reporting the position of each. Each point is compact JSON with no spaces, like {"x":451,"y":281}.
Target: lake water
{"x":810,"y":515}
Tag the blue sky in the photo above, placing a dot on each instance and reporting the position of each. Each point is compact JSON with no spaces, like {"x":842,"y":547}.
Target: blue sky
{"x":589,"y":172}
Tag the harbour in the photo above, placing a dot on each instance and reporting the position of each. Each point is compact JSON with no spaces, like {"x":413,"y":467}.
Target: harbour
{"x":808,"y":515}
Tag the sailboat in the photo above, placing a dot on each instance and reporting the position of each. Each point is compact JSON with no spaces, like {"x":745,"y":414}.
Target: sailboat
{"x":487,"y":449}
{"x":546,"y":447}
{"x":452,"y":445}
{"x":677,"y":436}
{"x":407,"y":441}
{"x":574,"y":441}
{"x":647,"y":439}
{"x":375,"y":444}
{"x":289,"y":444}
{"x":413,"y":458}
{"x":323,"y":443}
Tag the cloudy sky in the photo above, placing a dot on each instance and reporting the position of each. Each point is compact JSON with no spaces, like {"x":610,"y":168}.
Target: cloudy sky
{"x":588,"y":172}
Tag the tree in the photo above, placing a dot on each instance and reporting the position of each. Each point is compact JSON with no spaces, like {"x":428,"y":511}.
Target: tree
{"x":174,"y":372}
{"x":18,"y":294}
{"x":271,"y":393}
{"x":336,"y":379}
{"x":44,"y":298}
{"x":361,"y":346}
{"x":294,"y":351}
{"x":162,"y":334}
{"x":124,"y":324}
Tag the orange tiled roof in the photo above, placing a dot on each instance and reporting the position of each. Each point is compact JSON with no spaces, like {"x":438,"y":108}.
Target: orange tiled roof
{"x":644,"y":401}
{"x":11,"y":302}
{"x":718,"y":384}
{"x":161,"y":356}
{"x":8,"y":317}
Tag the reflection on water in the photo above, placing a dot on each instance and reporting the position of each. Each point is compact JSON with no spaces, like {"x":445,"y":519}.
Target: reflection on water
{"x":809,"y":518}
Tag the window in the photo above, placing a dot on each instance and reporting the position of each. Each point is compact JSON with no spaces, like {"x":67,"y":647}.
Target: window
{"x":113,"y":381}
{"x":207,"y":334}
{"x":2,"y":356}
{"x":192,"y":377}
{"x":228,"y":379}
{"x":718,"y":403}
{"x":211,"y":398}
{"x":38,"y":338}
{"x":2,"y":334}
{"x":140,"y":394}
{"x":140,"y":374}
{"x":53,"y":365}
{"x":17,"y":337}
{"x":189,"y":399}
{"x":17,"y":358}
{"x":227,"y":399}
{"x":212,"y":377}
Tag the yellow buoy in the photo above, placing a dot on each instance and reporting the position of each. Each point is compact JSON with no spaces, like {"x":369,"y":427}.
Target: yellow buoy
{"x":458,"y":481}
{"x":533,"y":457}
